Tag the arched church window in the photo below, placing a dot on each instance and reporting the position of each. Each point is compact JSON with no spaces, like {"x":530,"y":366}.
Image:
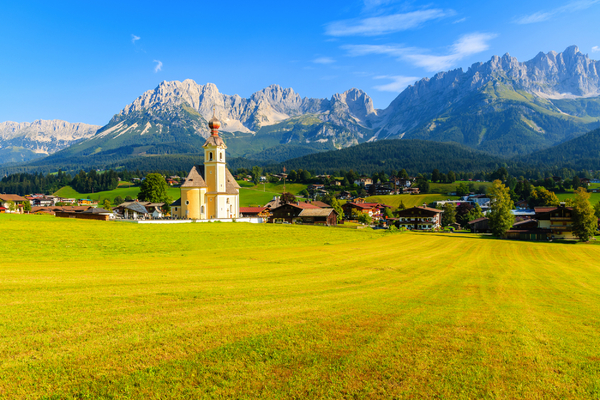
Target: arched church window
{"x":221,"y":156}
{"x":228,"y":200}
{"x":210,"y":156}
{"x":202,"y":209}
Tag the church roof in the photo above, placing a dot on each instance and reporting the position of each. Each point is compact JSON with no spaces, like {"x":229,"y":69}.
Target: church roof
{"x":194,"y":178}
{"x":214,"y":141}
{"x":231,"y":186}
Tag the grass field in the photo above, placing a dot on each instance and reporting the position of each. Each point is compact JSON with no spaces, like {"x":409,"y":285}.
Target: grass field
{"x":117,"y":310}
{"x":409,"y":200}
{"x":594,"y":197}
{"x":445,"y":188}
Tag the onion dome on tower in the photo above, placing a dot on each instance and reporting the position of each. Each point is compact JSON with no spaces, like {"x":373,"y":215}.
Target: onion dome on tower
{"x":214,"y":139}
{"x":214,"y":124}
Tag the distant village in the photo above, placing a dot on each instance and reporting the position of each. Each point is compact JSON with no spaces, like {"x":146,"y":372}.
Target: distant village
{"x":323,"y":205}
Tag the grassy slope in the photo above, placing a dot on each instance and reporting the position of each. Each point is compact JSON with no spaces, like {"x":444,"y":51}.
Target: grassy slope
{"x":116,"y":310}
{"x":444,"y":188}
{"x":594,"y":198}
{"x":409,"y":200}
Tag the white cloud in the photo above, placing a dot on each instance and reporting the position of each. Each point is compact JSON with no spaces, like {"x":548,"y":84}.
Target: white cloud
{"x":595,"y":49}
{"x":533,"y":18}
{"x":398,"y":83}
{"x":540,"y":16}
{"x":134,"y":38}
{"x":375,"y":26}
{"x":158,"y":66}
{"x":458,"y":21}
{"x":466,"y":45}
{"x":324,"y":60}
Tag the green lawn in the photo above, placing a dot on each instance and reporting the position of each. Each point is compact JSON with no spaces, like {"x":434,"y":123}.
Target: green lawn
{"x":109,"y":310}
{"x":293,"y":188}
{"x":594,"y":197}
{"x":445,"y":188}
{"x":409,"y":200}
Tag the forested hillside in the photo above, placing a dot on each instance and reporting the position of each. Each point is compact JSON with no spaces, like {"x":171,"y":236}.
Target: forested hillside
{"x":413,"y":155}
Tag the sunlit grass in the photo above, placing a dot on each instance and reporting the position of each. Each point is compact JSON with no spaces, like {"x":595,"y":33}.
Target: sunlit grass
{"x":96,"y":309}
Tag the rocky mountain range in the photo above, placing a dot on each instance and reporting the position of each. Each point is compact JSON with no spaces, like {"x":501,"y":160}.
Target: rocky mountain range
{"x":25,"y":141}
{"x":503,"y":107}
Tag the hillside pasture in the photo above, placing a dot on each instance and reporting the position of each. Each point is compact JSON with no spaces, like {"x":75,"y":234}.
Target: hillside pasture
{"x":96,"y":309}
{"x":409,"y":200}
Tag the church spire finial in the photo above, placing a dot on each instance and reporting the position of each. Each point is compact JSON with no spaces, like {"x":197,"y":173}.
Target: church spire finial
{"x":214,"y":124}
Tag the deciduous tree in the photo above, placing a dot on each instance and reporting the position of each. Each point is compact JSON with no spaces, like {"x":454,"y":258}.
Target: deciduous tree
{"x":501,"y":218}
{"x":154,"y":189}
{"x":338,"y":208}
{"x":585,"y":222}
{"x":449,"y":214}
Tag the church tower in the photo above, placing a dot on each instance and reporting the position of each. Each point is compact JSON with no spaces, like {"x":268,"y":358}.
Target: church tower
{"x":220,"y":202}
{"x":210,"y":191}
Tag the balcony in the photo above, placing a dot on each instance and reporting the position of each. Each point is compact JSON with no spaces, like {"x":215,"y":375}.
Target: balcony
{"x":561,"y":227}
{"x":560,"y":218}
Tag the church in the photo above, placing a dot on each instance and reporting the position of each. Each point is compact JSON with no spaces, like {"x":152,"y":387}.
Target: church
{"x":209,"y":191}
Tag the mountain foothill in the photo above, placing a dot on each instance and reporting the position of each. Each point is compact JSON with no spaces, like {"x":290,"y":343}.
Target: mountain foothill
{"x":544,"y":111}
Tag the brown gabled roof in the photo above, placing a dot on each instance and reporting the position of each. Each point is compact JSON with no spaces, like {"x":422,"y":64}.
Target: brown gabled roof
{"x":477,"y":220}
{"x":549,"y":209}
{"x":12,"y":197}
{"x":321,"y":204}
{"x":252,"y":210}
{"x":194,"y":178}
{"x":316,"y":212}
{"x":304,"y":205}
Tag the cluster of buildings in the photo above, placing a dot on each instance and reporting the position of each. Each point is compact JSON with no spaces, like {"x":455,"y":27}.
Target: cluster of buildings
{"x":546,"y":223}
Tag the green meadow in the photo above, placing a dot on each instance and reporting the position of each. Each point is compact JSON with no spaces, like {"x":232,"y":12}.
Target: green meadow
{"x":115,"y":310}
{"x":409,"y":200}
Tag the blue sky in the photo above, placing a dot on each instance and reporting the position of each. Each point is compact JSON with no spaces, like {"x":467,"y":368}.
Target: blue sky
{"x":84,"y":61}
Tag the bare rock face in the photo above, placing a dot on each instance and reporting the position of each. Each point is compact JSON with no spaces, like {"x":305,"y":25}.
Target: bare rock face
{"x":263,"y":108}
{"x":43,"y":136}
{"x":565,"y":75}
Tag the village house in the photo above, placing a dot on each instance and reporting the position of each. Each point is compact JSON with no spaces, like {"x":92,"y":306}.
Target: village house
{"x":7,"y":199}
{"x":480,"y":225}
{"x":304,"y":213}
{"x":99,"y":214}
{"x":255,"y":212}
{"x":410,"y":190}
{"x":420,"y":218}
{"x":557,"y":220}
{"x":402,"y":182}
{"x":363,"y":182}
{"x":139,"y":209}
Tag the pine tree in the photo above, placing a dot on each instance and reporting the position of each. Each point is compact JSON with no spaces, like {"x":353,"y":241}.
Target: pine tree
{"x":585,"y":222}
{"x":501,"y":218}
